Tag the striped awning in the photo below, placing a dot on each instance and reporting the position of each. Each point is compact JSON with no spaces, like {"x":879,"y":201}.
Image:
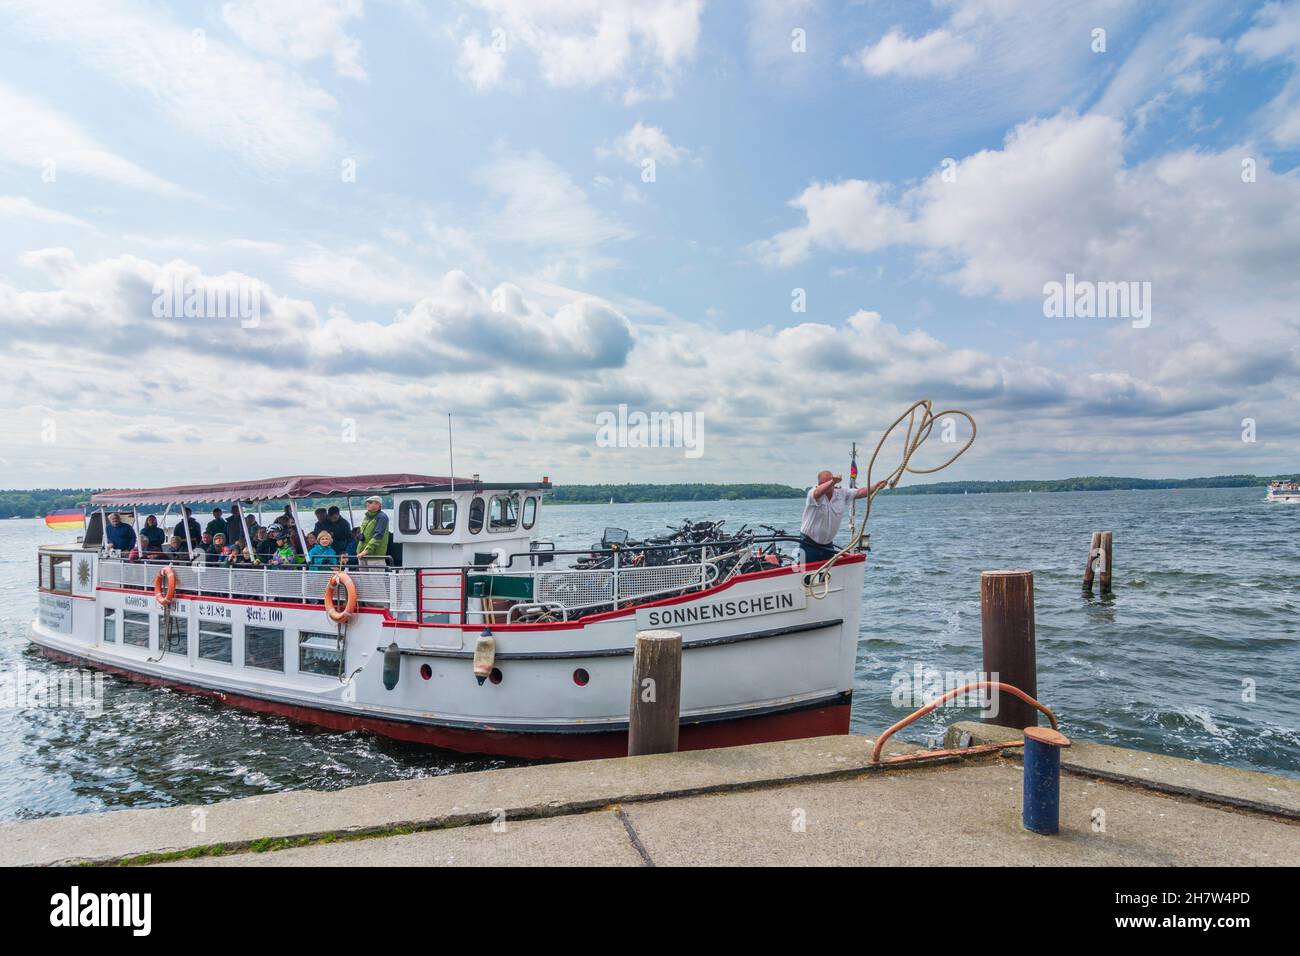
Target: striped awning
{"x":272,"y":489}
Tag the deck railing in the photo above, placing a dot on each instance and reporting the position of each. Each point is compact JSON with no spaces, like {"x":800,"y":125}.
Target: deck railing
{"x":393,"y":588}
{"x":438,"y":594}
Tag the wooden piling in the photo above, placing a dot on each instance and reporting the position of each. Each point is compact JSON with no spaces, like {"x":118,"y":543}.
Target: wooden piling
{"x":654,"y":713}
{"x":1104,"y":572}
{"x":1093,"y":550}
{"x":1007,"y":624}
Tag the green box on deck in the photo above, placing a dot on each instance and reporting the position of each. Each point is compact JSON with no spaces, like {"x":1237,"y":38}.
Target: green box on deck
{"x":515,"y":588}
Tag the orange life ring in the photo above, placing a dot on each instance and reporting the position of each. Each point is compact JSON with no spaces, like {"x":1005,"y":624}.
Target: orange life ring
{"x":350,"y":608}
{"x":170,"y":576}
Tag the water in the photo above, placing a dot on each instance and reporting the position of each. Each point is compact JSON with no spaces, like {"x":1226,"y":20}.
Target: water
{"x":1205,"y":604}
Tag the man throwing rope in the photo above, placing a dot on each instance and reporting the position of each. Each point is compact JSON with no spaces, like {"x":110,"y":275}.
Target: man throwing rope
{"x":823,"y":513}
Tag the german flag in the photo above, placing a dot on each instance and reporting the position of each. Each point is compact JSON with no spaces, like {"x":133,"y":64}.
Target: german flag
{"x":66,"y":519}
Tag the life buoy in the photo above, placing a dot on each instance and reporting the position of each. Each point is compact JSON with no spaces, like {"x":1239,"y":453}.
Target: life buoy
{"x":331,"y":608}
{"x":168,"y":575}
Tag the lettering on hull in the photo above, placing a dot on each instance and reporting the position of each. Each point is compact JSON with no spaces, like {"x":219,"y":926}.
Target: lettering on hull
{"x":724,"y":609}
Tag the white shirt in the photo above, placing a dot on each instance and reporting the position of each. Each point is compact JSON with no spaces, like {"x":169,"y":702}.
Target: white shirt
{"x":822,"y":516}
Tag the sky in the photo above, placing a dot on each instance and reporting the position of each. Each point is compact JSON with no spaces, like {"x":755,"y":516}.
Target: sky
{"x":243,"y":239}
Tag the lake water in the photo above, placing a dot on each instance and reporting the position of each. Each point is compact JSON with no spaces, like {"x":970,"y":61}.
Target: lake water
{"x":1197,"y":654}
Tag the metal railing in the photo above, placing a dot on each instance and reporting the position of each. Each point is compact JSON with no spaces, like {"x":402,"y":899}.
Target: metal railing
{"x":393,"y":588}
{"x":634,"y":574}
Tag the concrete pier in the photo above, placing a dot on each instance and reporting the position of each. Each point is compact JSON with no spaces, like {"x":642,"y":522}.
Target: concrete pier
{"x":817,"y":801}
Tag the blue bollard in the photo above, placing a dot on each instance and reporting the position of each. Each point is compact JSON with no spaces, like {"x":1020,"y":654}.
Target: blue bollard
{"x":1042,"y":798}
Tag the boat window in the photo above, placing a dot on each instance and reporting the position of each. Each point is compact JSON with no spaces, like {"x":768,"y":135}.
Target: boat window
{"x":504,"y":513}
{"x":178,"y":636}
{"x":476,"y":516}
{"x":530,"y":511}
{"x":135,"y":628}
{"x":408,"y":516}
{"x":62,"y":569}
{"x":264,"y":648}
{"x":319,"y":654}
{"x":110,"y":625}
{"x":216,"y":641}
{"x":441,"y":516}
{"x":56,"y":572}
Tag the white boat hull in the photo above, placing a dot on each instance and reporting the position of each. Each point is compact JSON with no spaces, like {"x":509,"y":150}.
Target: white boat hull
{"x":762,"y":660}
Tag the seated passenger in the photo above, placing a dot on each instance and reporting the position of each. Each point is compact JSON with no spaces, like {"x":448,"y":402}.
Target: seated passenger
{"x":322,"y":557}
{"x":217,"y":548}
{"x":322,"y":521}
{"x":119,"y":534}
{"x":174,"y":547}
{"x":284,"y":555}
{"x":263,"y":544}
{"x":152,"y":533}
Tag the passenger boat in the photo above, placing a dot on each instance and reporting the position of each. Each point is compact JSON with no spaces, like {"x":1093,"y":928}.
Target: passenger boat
{"x":1287,"y":492}
{"x":474,"y":633}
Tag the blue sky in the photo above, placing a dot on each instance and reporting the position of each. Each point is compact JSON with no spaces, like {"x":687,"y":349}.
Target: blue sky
{"x":445,"y":208}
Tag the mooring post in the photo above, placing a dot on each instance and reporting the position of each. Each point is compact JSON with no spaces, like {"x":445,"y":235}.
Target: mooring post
{"x":1007,"y":623}
{"x":1041,"y":812}
{"x":654,"y":714}
{"x":1107,"y":541}
{"x":1094,"y":549}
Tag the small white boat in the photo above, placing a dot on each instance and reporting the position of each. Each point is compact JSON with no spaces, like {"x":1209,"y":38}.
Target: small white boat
{"x":768,"y":653}
{"x":1287,"y":492}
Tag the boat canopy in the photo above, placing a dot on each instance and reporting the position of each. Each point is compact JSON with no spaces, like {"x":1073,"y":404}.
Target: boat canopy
{"x":298,"y":486}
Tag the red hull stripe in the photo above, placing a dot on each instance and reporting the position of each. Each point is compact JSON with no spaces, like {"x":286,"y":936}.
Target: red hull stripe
{"x":819,"y":721}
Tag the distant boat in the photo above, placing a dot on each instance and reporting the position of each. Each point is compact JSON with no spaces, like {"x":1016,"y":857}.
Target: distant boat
{"x":611,"y":500}
{"x":1287,"y":492}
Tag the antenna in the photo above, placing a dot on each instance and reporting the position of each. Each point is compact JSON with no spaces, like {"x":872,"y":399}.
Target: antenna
{"x":451,"y":454}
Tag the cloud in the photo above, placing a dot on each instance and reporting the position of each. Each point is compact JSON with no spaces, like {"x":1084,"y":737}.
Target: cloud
{"x":264,"y":114}
{"x":852,"y":214}
{"x":938,"y":53}
{"x":20,"y":207}
{"x":1060,"y":197}
{"x":462,"y":327}
{"x":483,"y":65}
{"x":1275,"y":34}
{"x":33,"y":135}
{"x":643,"y":142}
{"x":579,"y":44}
{"x":541,"y":205}
{"x":300,"y":30}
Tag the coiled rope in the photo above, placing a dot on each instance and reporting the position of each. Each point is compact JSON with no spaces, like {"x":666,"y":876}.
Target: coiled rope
{"x":920,"y":418}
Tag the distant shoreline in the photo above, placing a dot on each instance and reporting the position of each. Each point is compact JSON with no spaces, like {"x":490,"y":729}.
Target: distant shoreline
{"x":38,"y":502}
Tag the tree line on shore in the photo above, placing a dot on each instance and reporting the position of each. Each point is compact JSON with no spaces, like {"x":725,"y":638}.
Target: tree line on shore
{"x":38,"y":502}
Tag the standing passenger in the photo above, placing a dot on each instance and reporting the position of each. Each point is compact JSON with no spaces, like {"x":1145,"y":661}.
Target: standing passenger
{"x":374,"y":532}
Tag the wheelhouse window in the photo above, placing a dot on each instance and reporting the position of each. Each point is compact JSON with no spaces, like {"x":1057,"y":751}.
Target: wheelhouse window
{"x":408,"y":516}
{"x":110,"y":625}
{"x":135,"y":628}
{"x":216,"y":641}
{"x":441,"y":516}
{"x":503,"y":514}
{"x":476,"y":508}
{"x":319,"y":654}
{"x":264,"y":648}
{"x":530,"y":511}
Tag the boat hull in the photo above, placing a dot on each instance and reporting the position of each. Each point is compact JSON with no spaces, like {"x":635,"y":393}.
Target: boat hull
{"x":764,"y":657}
{"x":797,"y":721}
